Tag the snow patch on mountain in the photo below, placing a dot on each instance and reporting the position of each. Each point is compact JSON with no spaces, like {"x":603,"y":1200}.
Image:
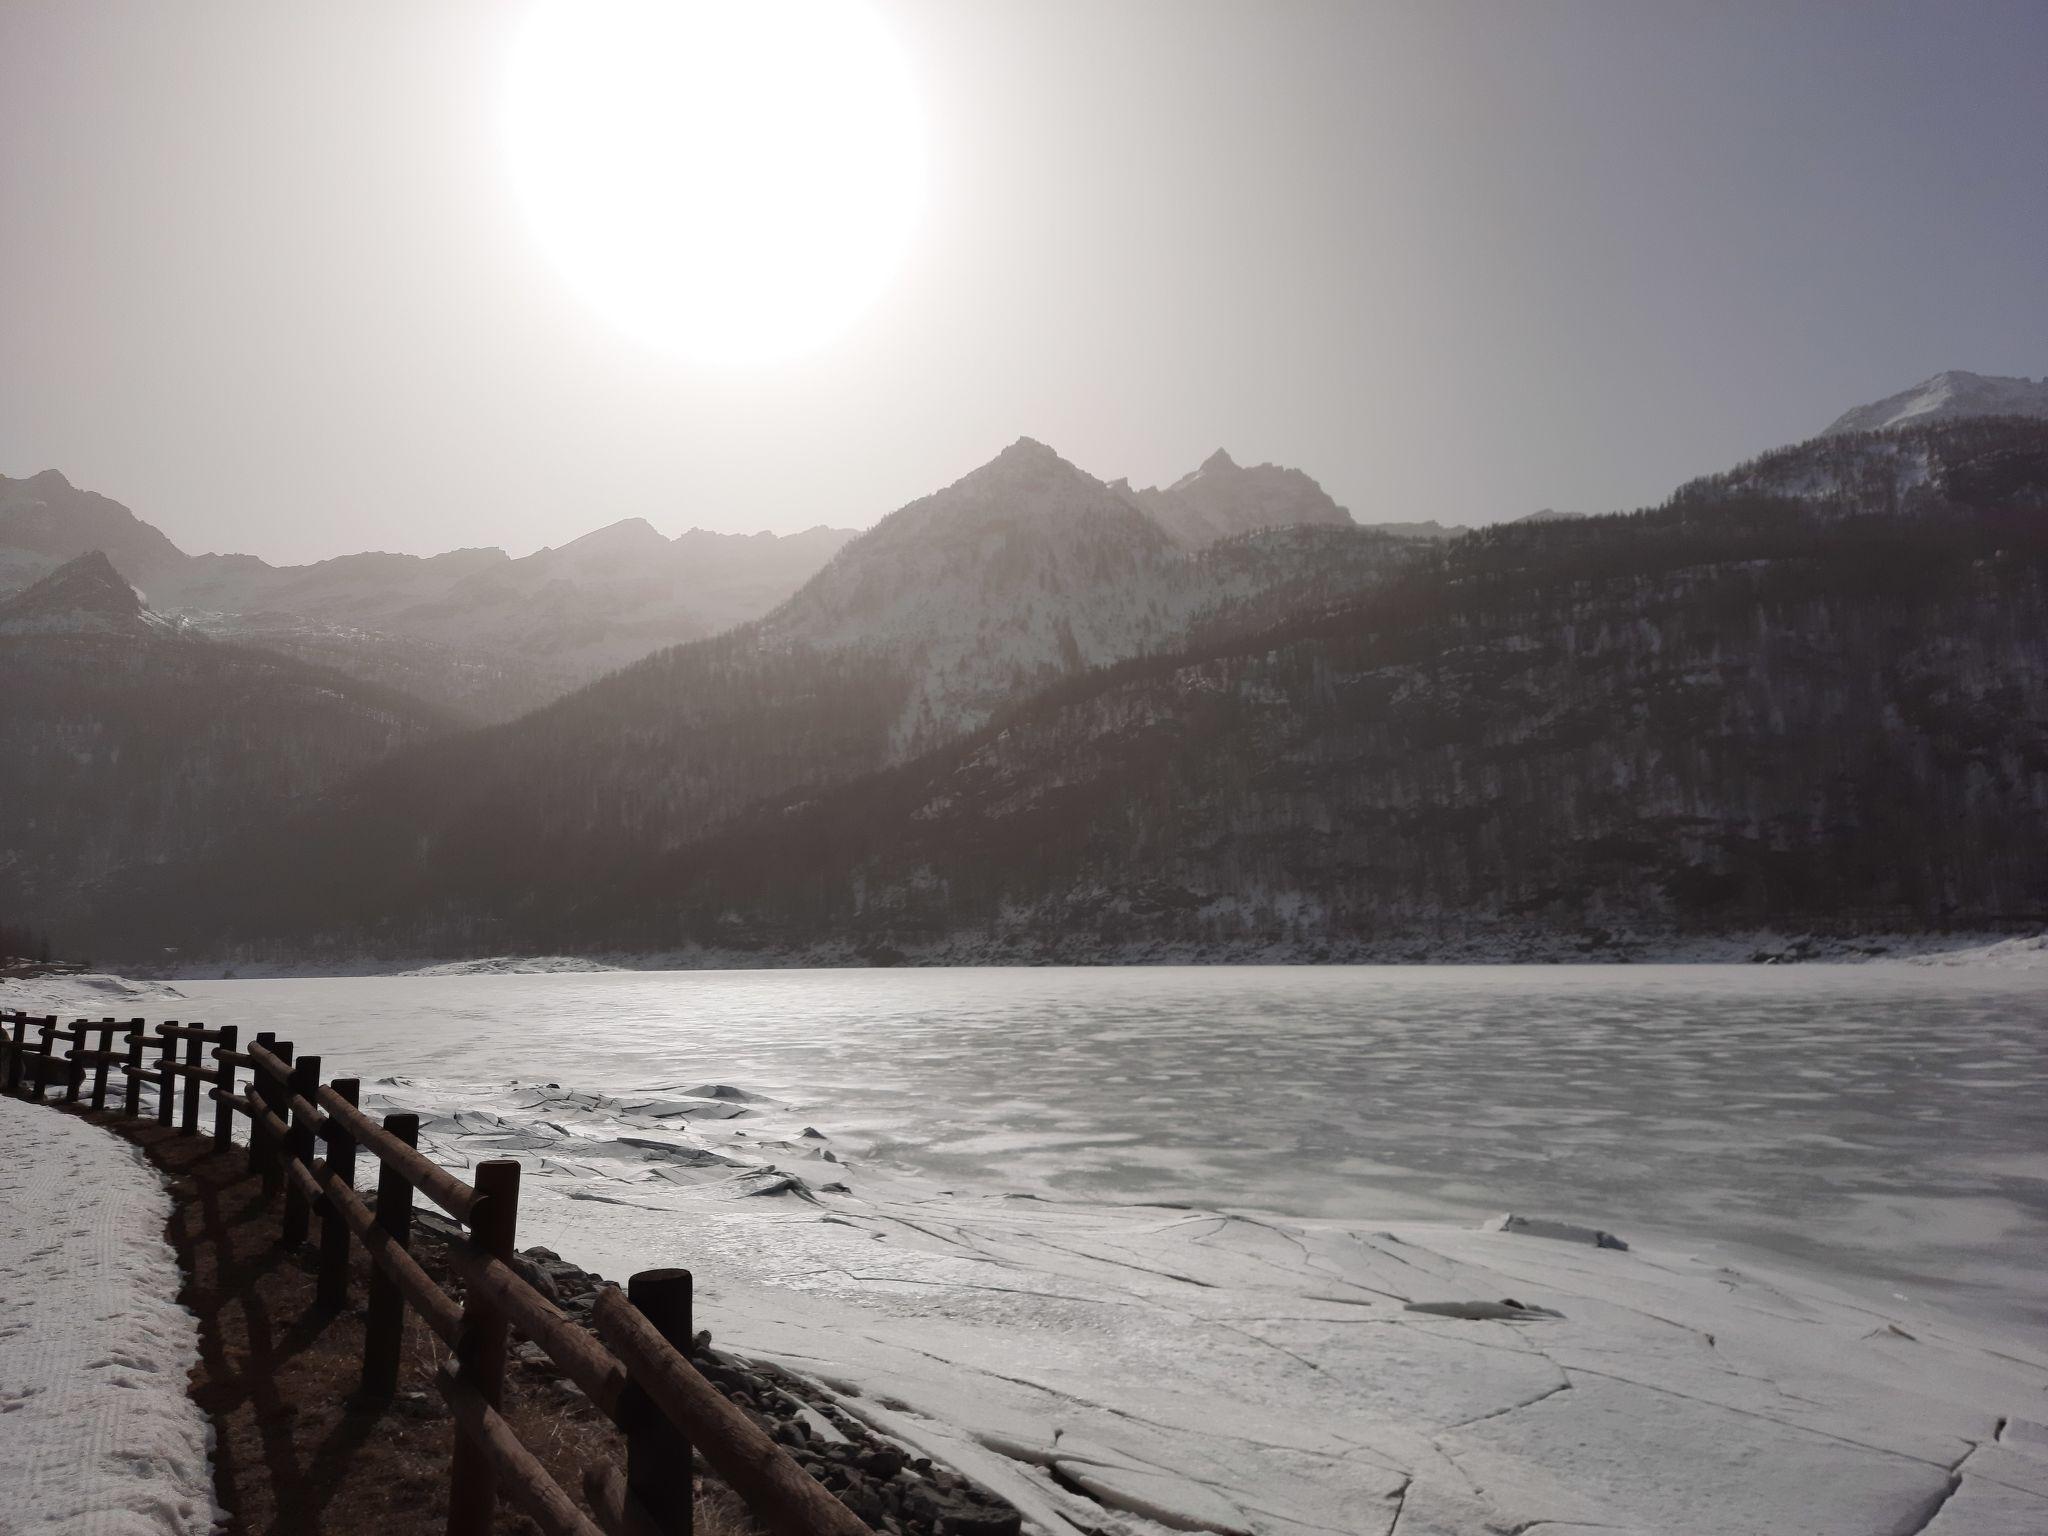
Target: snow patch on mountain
{"x":1945,"y":397}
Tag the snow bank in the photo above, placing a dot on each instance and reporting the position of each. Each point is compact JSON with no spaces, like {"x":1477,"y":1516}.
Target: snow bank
{"x":2010,"y":954}
{"x":512,"y":965}
{"x":97,"y":1434}
{"x":87,"y":995}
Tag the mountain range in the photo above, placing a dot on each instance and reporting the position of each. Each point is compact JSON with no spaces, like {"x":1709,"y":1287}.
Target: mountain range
{"x":1041,"y":715}
{"x":474,"y":631}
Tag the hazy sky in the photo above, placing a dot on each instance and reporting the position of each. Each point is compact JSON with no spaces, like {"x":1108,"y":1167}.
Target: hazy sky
{"x":263,"y":277}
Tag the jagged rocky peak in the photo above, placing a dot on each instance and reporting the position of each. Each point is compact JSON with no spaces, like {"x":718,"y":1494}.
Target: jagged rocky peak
{"x":1945,"y":397}
{"x":83,"y":596}
{"x":1223,"y":498}
{"x":1027,"y":461}
{"x":48,"y":515}
{"x":1024,"y":565}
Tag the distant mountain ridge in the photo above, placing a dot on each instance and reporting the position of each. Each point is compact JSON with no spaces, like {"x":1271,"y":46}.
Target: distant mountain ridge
{"x":86,"y":596}
{"x":472,"y":630}
{"x":128,"y":740}
{"x":1947,"y":396}
{"x":1222,"y":498}
{"x":1750,"y":706}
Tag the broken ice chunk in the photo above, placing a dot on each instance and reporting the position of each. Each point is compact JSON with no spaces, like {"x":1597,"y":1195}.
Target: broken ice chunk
{"x":1507,"y":1310}
{"x":1562,"y":1231}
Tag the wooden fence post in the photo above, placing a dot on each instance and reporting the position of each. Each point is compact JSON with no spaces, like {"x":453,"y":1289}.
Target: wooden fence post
{"x":657,"y":1452}
{"x":305,"y":1083}
{"x":273,"y":1094}
{"x":100,"y":1064}
{"x":332,"y":1292}
{"x":74,"y":1060}
{"x":480,"y":1348}
{"x":268,"y":1040}
{"x":223,"y":1111}
{"x":384,"y":1330}
{"x":166,"y":1082}
{"x":131,"y":1101}
{"x":48,"y":1027}
{"x":20,"y":1051}
{"x":194,"y":1065}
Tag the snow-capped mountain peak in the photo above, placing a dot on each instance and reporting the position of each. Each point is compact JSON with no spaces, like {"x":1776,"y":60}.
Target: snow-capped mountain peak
{"x":1945,"y":397}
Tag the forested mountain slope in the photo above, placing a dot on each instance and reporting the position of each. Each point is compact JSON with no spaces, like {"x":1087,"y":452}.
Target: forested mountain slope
{"x":1731,"y":712}
{"x":127,"y":741}
{"x":963,"y":603}
{"x":1679,"y":723}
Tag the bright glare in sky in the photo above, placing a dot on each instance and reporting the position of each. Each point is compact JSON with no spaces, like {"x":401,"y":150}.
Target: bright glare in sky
{"x":731,"y":182}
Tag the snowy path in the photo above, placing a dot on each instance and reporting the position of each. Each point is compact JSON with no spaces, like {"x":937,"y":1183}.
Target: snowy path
{"x":97,"y":1434}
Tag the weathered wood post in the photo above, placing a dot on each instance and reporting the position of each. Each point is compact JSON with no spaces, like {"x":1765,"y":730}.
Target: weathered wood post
{"x":223,"y":1111}
{"x":194,"y":1065}
{"x":384,"y":1329}
{"x":332,"y":1292}
{"x":131,"y":1101}
{"x":273,"y":1094}
{"x":101,"y":1064}
{"x":74,"y":1059}
{"x":480,"y":1348}
{"x":305,"y":1083}
{"x":166,"y":1082}
{"x":257,"y":1159}
{"x":48,"y":1028}
{"x":14,"y":1055}
{"x":657,"y":1452}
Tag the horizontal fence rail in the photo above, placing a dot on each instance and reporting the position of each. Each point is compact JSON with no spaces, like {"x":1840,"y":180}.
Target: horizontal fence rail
{"x":635,"y":1370}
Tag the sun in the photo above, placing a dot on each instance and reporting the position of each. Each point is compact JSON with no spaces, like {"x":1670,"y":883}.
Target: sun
{"x":735,"y":183}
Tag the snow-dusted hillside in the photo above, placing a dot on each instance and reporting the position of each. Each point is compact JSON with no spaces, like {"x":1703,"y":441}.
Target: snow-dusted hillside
{"x":1920,"y":469}
{"x":1020,"y":572}
{"x":1029,"y":569}
{"x":1946,"y":397}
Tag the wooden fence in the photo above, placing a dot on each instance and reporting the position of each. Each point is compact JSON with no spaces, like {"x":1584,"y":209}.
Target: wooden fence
{"x":635,"y":1369}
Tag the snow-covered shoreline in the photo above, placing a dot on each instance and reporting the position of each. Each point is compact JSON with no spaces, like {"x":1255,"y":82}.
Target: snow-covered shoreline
{"x":97,"y":1434}
{"x":1747,"y":948}
{"x":1146,"y":1368}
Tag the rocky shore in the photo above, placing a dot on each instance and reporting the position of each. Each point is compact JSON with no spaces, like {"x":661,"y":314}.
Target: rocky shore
{"x":892,"y":1489}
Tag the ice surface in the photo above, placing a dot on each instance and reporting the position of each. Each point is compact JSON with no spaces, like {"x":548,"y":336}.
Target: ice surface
{"x":1139,"y":1247}
{"x":97,"y":1435}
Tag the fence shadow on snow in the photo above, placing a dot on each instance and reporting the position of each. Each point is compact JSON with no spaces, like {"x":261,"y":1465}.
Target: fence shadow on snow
{"x":635,"y":1370}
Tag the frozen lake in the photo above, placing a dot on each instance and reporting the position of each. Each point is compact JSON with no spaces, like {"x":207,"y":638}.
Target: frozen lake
{"x":1151,"y":1250}
{"x":1882,"y":1122}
